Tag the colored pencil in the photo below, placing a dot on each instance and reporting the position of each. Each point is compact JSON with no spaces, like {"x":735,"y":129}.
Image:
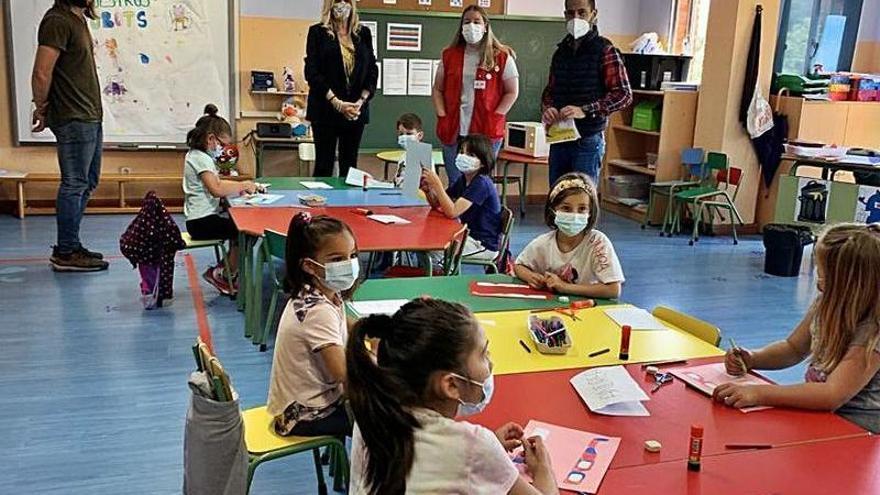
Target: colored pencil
{"x":599,"y":353}
{"x":524,"y":346}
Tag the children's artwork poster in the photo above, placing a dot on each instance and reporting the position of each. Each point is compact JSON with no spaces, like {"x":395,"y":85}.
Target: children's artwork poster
{"x":868,"y":205}
{"x":403,"y":37}
{"x":811,"y":202}
{"x":580,"y":459}
{"x":155,"y":77}
{"x":373,"y":26}
{"x":707,"y":377}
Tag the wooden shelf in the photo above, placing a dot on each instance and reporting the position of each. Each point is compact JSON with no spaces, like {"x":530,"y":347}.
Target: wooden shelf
{"x":626,"y":164}
{"x":628,"y":128}
{"x":278,"y":93}
{"x":648,"y":92}
{"x":611,"y":204}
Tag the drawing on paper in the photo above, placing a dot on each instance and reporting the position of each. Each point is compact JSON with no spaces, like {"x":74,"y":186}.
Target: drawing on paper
{"x":868,"y":205}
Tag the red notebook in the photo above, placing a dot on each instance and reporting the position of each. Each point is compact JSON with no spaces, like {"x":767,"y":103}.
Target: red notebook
{"x":517,"y":291}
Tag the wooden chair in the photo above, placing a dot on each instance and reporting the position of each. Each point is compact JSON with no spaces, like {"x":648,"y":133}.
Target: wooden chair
{"x":261,"y":441}
{"x":700,"y":329}
{"x":507,"y":220}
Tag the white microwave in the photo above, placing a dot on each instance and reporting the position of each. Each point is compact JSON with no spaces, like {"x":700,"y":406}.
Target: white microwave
{"x":526,"y":138}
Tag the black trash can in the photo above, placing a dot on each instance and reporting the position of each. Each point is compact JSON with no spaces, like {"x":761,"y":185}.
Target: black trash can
{"x":785,"y":248}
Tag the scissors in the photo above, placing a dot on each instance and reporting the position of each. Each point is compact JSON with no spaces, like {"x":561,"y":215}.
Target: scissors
{"x":661,"y":379}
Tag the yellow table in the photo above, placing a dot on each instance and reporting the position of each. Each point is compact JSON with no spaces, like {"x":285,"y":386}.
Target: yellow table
{"x":594,"y":331}
{"x":392,"y":157}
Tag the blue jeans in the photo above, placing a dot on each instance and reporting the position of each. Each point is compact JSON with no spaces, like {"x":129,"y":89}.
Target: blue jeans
{"x":584,"y":155}
{"x":79,"y":158}
{"x":450,"y":151}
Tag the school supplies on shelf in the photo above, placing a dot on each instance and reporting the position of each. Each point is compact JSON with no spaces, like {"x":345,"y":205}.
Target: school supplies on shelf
{"x":610,"y":390}
{"x":580,"y":458}
{"x":549,"y":335}
{"x":707,"y":377}
{"x":516,"y":291}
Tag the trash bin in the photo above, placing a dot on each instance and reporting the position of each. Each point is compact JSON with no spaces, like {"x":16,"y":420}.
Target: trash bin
{"x":785,"y":248}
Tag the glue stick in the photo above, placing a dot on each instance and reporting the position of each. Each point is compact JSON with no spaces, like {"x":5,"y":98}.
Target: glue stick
{"x":696,"y":448}
{"x":624,"y":342}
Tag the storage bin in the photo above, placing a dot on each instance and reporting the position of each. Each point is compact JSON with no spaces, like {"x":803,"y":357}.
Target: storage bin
{"x":784,"y":246}
{"x":632,"y":186}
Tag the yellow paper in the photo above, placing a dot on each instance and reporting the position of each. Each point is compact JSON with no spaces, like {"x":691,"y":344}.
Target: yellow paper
{"x":595,"y":331}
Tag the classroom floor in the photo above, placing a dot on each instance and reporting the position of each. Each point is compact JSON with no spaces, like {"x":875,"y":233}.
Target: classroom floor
{"x":93,"y":392}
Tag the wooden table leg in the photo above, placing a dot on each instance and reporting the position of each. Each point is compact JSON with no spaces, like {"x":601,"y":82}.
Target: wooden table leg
{"x":122,"y":194}
{"x":19,"y":186}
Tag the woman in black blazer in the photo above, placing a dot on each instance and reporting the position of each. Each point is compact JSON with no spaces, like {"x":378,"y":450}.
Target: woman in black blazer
{"x":342,"y":74}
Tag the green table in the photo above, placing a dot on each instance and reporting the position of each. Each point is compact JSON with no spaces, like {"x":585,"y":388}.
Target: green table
{"x":455,"y":289}
{"x":295,"y":183}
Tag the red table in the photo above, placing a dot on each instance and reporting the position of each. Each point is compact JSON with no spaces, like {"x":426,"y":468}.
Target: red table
{"x":509,"y":157}
{"x":549,"y":397}
{"x":429,"y":230}
{"x":837,"y":467}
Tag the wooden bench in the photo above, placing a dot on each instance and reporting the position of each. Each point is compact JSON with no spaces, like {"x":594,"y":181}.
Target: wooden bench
{"x":21,"y":179}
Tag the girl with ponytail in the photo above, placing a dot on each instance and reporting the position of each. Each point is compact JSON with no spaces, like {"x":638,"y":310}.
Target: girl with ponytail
{"x":308,"y":367}
{"x":203,"y":190}
{"x":431,"y":364}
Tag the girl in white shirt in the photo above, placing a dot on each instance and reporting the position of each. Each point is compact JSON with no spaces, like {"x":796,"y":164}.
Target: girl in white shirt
{"x":431,"y":364}
{"x":573,"y":258}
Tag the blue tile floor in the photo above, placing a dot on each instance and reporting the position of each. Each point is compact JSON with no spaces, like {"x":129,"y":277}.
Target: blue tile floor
{"x":93,"y":391}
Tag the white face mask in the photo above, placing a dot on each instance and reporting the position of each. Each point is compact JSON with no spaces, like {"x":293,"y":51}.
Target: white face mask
{"x":473,"y":33}
{"x":404,"y":139}
{"x":578,"y":27}
{"x":217,"y":152}
{"x":571,"y":224}
{"x":471,"y":408}
{"x":341,"y":10}
{"x":466,"y":163}
{"x":340,"y":276}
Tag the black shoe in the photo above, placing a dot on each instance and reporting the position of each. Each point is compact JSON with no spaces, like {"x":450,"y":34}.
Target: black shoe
{"x":89,"y":254}
{"x":76,"y":262}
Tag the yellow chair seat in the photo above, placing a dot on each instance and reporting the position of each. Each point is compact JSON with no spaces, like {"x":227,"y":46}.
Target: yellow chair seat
{"x":191,"y":244}
{"x":260,"y":436}
{"x":700,"y":329}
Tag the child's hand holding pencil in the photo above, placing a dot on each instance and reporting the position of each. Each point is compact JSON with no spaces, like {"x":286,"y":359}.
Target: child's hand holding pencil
{"x":738,"y":361}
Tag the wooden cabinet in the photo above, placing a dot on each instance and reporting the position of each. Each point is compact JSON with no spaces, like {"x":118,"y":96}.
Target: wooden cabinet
{"x":627,"y":147}
{"x":846,"y":123}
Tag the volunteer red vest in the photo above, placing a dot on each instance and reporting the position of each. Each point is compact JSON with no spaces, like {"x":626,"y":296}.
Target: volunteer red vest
{"x":488,"y":91}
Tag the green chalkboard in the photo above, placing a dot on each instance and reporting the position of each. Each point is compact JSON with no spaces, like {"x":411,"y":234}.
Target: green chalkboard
{"x":533,"y":39}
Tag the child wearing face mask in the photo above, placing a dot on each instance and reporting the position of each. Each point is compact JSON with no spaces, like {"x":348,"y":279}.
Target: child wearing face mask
{"x":409,"y":130}
{"x":472,"y":198}
{"x":308,"y":368}
{"x":203,"y":191}
{"x":431,"y":365}
{"x":573,"y":258}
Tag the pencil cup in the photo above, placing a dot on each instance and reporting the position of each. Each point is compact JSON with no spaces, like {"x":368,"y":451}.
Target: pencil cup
{"x":549,"y":335}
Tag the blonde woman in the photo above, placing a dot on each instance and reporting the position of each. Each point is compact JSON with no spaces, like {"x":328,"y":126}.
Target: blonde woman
{"x":340,"y":67}
{"x":476,"y":85}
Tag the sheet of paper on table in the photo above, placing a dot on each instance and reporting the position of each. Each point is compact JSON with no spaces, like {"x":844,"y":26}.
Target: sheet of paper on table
{"x":381,"y":307}
{"x":636,"y":318}
{"x":610,"y":390}
{"x":317,"y":185}
{"x":707,"y":377}
{"x":389,"y":219}
{"x":355,"y":178}
{"x":256,"y":199}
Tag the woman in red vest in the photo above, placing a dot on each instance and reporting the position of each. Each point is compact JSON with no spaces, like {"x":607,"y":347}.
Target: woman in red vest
{"x":476,"y":85}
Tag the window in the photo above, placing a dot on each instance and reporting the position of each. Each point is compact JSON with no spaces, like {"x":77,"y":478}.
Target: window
{"x":688,"y":33}
{"x":817,"y":34}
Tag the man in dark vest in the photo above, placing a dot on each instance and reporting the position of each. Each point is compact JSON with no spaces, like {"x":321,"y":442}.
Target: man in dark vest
{"x":67,"y":99}
{"x":587,"y":83}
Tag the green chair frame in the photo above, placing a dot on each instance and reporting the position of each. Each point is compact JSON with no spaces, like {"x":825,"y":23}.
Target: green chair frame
{"x":690,"y":158}
{"x":711,"y":196}
{"x":274,"y":246}
{"x":507,"y":221}
{"x":221,"y":254}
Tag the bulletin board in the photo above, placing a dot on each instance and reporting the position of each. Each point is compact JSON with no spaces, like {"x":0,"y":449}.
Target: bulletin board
{"x":159,"y":63}
{"x":496,"y":7}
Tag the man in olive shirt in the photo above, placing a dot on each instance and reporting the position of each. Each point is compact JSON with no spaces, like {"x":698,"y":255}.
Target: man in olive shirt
{"x":67,"y":97}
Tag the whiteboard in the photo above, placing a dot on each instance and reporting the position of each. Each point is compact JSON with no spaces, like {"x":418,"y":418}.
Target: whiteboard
{"x":159,"y":62}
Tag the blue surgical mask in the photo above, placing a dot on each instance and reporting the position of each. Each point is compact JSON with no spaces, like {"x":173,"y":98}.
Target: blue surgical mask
{"x":470,"y":408}
{"x":571,"y":224}
{"x":466,"y":163}
{"x":404,"y":139}
{"x":340,"y":276}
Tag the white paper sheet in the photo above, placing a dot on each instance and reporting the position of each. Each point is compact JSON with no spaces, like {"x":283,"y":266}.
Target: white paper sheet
{"x":637,"y":318}
{"x":374,"y":30}
{"x":256,"y":199}
{"x":394,"y":77}
{"x":356,"y":176}
{"x":389,"y":219}
{"x":420,"y":81}
{"x":382,"y":307}
{"x":610,"y":390}
{"x":315,"y":185}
